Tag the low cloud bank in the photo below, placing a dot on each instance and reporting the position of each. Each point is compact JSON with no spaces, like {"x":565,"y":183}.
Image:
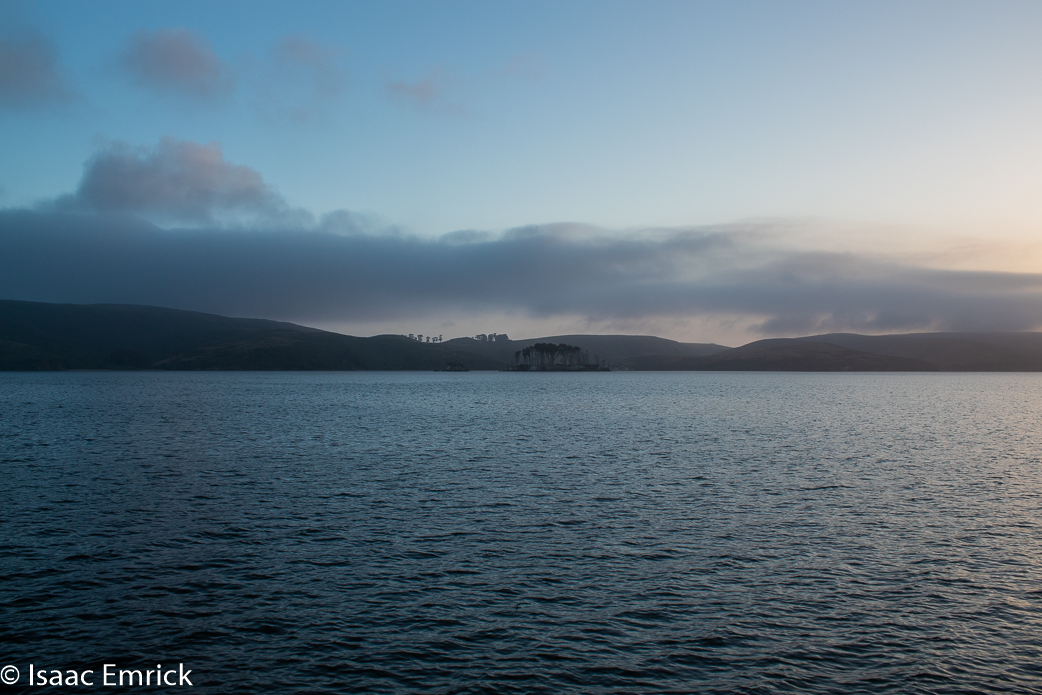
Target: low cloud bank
{"x":319,"y":275}
{"x":122,"y":237}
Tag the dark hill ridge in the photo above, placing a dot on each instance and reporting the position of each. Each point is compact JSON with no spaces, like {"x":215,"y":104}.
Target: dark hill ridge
{"x":39,"y":336}
{"x":949,"y":352}
{"x":791,"y":356}
{"x":957,"y":352}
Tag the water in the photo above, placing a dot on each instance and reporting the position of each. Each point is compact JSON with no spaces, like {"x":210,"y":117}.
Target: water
{"x":526,"y":533}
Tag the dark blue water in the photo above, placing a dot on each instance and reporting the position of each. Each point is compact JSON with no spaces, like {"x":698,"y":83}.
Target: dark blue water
{"x":526,"y":533}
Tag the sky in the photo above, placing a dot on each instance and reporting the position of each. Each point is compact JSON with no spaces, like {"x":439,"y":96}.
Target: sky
{"x":704,"y":171}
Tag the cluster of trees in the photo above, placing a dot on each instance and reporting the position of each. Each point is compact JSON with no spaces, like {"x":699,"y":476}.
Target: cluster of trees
{"x":430,"y":338}
{"x":544,"y":356}
{"x":491,"y":337}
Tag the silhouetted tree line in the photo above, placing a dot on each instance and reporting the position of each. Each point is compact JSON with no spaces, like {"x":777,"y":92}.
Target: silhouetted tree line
{"x":542,"y":356}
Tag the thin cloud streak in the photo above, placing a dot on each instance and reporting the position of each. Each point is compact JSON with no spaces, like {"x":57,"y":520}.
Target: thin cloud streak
{"x":320,"y":276}
{"x":419,"y":95}
{"x":527,"y":66}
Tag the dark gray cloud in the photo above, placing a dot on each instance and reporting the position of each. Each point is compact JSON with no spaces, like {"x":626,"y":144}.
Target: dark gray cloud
{"x":176,"y":181}
{"x":31,"y":76}
{"x":177,"y":61}
{"x":318,"y":275}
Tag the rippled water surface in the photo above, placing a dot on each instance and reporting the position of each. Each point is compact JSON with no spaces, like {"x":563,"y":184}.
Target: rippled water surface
{"x":528,"y":533}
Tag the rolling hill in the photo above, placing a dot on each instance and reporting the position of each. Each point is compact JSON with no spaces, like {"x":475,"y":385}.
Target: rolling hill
{"x":958,"y":352}
{"x":948,"y":352}
{"x":769,"y":356}
{"x":40,"y":336}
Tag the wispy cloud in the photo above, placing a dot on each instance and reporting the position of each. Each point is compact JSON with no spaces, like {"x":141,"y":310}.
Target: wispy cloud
{"x":177,"y":61}
{"x":176,"y":181}
{"x":527,"y":66}
{"x":31,"y":75}
{"x":303,"y":79}
{"x":326,"y":78}
{"x":421,"y":95}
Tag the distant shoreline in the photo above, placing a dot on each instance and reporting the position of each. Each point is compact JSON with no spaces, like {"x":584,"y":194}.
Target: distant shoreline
{"x":38,"y":336}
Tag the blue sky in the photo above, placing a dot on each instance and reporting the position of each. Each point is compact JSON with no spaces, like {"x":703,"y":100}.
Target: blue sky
{"x":903,"y":133}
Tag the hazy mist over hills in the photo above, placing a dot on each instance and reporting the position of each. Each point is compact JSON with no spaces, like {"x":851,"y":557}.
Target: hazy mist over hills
{"x":39,"y":336}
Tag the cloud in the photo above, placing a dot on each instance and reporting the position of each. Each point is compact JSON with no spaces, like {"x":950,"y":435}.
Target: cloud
{"x":298,"y":51}
{"x":418,"y":95}
{"x":177,"y":61}
{"x":527,"y":66}
{"x":176,"y":181}
{"x":304,"y":77}
{"x":31,"y":76}
{"x":355,"y":275}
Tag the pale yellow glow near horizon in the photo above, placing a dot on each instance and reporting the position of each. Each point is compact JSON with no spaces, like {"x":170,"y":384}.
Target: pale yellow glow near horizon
{"x":904,"y":245}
